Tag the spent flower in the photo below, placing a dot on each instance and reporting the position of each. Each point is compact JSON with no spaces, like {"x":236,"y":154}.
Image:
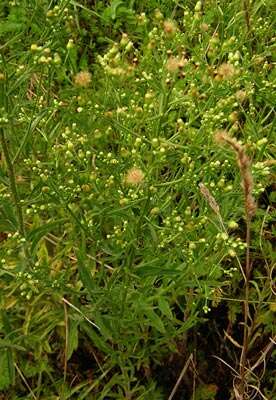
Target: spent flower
{"x":134,"y":176}
{"x":82,"y":79}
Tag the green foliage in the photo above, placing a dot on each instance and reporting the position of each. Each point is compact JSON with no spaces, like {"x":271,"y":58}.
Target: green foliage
{"x":6,"y":369}
{"x":120,"y":266}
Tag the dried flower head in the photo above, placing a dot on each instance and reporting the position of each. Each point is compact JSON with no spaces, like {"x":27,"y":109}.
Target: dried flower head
{"x":134,"y":176}
{"x":226,"y":71}
{"x":82,"y":79}
{"x":20,"y":179}
{"x":204,"y":27}
{"x":170,"y":27}
{"x":174,"y":64}
{"x":241,"y":95}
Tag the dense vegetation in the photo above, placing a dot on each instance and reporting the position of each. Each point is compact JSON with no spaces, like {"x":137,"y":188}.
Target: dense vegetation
{"x":136,"y":200}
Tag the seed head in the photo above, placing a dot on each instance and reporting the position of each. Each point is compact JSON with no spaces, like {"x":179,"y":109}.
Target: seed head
{"x":226,"y":71}
{"x":134,"y":176}
{"x":244,"y":163}
{"x":174,"y":64}
{"x":170,"y":27}
{"x":241,"y":95}
{"x":82,"y":79}
{"x":210,"y":199}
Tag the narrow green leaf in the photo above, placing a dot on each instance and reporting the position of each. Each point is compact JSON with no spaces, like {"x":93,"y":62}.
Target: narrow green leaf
{"x":7,"y":344}
{"x":155,"y":320}
{"x":8,"y":221}
{"x":84,"y":272}
{"x":72,"y":338}
{"x":96,"y":339}
{"x":35,"y":235}
{"x":164,"y":307}
{"x":6,"y":369}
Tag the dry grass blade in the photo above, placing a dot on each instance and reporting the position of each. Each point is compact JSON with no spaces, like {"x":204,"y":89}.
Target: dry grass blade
{"x":80,"y":312}
{"x":264,"y":353}
{"x":228,"y":365}
{"x":233,"y":341}
{"x":184,"y":369}
{"x":258,"y":392}
{"x":25,"y":381}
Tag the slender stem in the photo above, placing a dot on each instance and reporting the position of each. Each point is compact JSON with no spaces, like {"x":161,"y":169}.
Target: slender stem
{"x":184,"y":369}
{"x":246,"y":5}
{"x":25,"y":381}
{"x":13,"y":186}
{"x":66,"y":341}
{"x":246,"y":331}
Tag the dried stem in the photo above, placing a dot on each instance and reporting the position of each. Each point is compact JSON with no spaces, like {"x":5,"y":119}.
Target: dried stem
{"x":250,"y":209}
{"x":25,"y":381}
{"x":184,"y":369}
{"x":66,"y":341}
{"x":246,"y":6}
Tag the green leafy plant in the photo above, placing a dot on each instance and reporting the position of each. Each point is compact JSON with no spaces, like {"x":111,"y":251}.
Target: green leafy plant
{"x":133,"y":264}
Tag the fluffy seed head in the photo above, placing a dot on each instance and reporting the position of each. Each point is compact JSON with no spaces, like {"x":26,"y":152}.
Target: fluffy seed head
{"x":174,"y":64}
{"x":226,"y":71}
{"x":134,"y":176}
{"x":82,"y":79}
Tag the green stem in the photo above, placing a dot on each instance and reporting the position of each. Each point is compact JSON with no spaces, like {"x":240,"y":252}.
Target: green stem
{"x":13,"y":186}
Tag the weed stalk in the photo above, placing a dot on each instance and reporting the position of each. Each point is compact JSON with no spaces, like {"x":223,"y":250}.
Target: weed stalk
{"x":13,"y":186}
{"x":250,"y":209}
{"x":246,"y":6}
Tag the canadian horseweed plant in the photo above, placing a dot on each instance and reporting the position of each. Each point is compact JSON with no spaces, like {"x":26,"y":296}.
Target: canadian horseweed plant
{"x":137,"y":200}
